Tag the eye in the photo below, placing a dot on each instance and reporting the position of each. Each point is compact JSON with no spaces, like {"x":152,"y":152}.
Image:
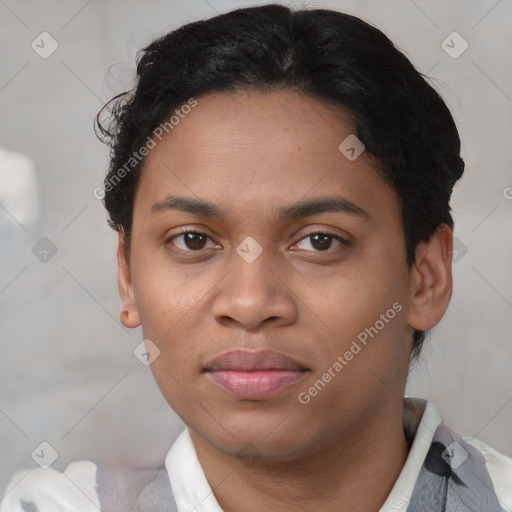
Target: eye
{"x":322,"y":241}
{"x":189,"y":241}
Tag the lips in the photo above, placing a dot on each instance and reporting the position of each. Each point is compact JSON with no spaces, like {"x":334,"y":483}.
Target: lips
{"x":250,"y":360}
{"x":254,"y":375}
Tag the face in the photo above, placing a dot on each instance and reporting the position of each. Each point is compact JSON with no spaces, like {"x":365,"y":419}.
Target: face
{"x":298,"y":250}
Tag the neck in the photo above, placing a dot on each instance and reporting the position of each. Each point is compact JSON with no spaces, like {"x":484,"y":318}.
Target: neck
{"x":356,"y":472}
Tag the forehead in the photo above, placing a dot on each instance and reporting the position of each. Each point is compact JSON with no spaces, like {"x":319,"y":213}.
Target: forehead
{"x":254,"y":152}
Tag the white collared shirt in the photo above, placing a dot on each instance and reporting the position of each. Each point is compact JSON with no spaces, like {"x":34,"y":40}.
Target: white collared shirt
{"x":74,"y":490}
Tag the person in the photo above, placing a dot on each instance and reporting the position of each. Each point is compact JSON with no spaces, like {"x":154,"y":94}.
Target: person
{"x":280,"y":184}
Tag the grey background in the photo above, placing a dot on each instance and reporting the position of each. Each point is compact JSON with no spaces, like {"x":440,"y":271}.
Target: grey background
{"x":68,"y":374}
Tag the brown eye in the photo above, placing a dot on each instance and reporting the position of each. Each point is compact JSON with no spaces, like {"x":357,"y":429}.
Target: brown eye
{"x":194,"y":241}
{"x":189,"y":241}
{"x":322,"y":242}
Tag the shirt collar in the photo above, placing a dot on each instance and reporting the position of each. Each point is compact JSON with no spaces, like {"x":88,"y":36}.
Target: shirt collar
{"x":192,"y":492}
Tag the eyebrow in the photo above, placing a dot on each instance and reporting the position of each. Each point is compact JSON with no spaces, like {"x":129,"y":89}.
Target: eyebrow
{"x":202,"y":208}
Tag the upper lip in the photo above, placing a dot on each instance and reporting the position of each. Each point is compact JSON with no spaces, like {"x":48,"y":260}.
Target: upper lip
{"x":253,"y":360}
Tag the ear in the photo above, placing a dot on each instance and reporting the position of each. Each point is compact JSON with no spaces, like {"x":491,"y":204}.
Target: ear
{"x":431,"y":280}
{"x":129,"y":314}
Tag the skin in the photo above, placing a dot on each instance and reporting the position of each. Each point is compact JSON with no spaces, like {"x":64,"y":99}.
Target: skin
{"x":251,"y":154}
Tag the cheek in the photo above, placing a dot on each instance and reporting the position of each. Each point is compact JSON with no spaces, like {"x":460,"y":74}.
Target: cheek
{"x":169,"y":305}
{"x":366,"y":306}
{"x":169,"y":371}
{"x":347,"y":299}
{"x":164,"y":298}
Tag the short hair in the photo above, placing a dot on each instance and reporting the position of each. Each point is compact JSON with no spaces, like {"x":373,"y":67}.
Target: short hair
{"x":326,"y":55}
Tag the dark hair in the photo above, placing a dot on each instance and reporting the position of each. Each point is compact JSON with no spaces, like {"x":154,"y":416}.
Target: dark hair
{"x":327,"y":55}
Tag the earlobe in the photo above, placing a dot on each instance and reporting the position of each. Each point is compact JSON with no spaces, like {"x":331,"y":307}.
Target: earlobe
{"x":431,"y":280}
{"x":129,"y":314}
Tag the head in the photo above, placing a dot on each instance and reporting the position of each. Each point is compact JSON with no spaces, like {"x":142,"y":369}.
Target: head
{"x":307,"y":140}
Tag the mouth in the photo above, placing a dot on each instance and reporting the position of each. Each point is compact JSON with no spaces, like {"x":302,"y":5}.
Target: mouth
{"x":254,"y":375}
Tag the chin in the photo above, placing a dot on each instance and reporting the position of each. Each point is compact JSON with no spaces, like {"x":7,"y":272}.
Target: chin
{"x":263,"y":441}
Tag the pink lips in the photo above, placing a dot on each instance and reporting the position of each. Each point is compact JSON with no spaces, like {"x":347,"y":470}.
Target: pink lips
{"x":254,"y":375}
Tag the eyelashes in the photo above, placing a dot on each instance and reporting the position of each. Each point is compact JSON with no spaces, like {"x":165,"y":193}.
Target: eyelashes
{"x":319,"y":237}
{"x":193,"y":241}
{"x":193,"y":237}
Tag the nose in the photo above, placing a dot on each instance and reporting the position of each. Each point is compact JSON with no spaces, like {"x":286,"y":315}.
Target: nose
{"x":255,"y":294}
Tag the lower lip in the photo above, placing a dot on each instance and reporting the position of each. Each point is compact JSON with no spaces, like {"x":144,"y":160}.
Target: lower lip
{"x":255,"y":385}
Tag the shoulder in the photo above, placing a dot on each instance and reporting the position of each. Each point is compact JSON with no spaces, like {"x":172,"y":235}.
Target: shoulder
{"x":86,"y":486}
{"x":121,"y":489}
{"x":37,"y":490}
{"x":499,"y":467}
